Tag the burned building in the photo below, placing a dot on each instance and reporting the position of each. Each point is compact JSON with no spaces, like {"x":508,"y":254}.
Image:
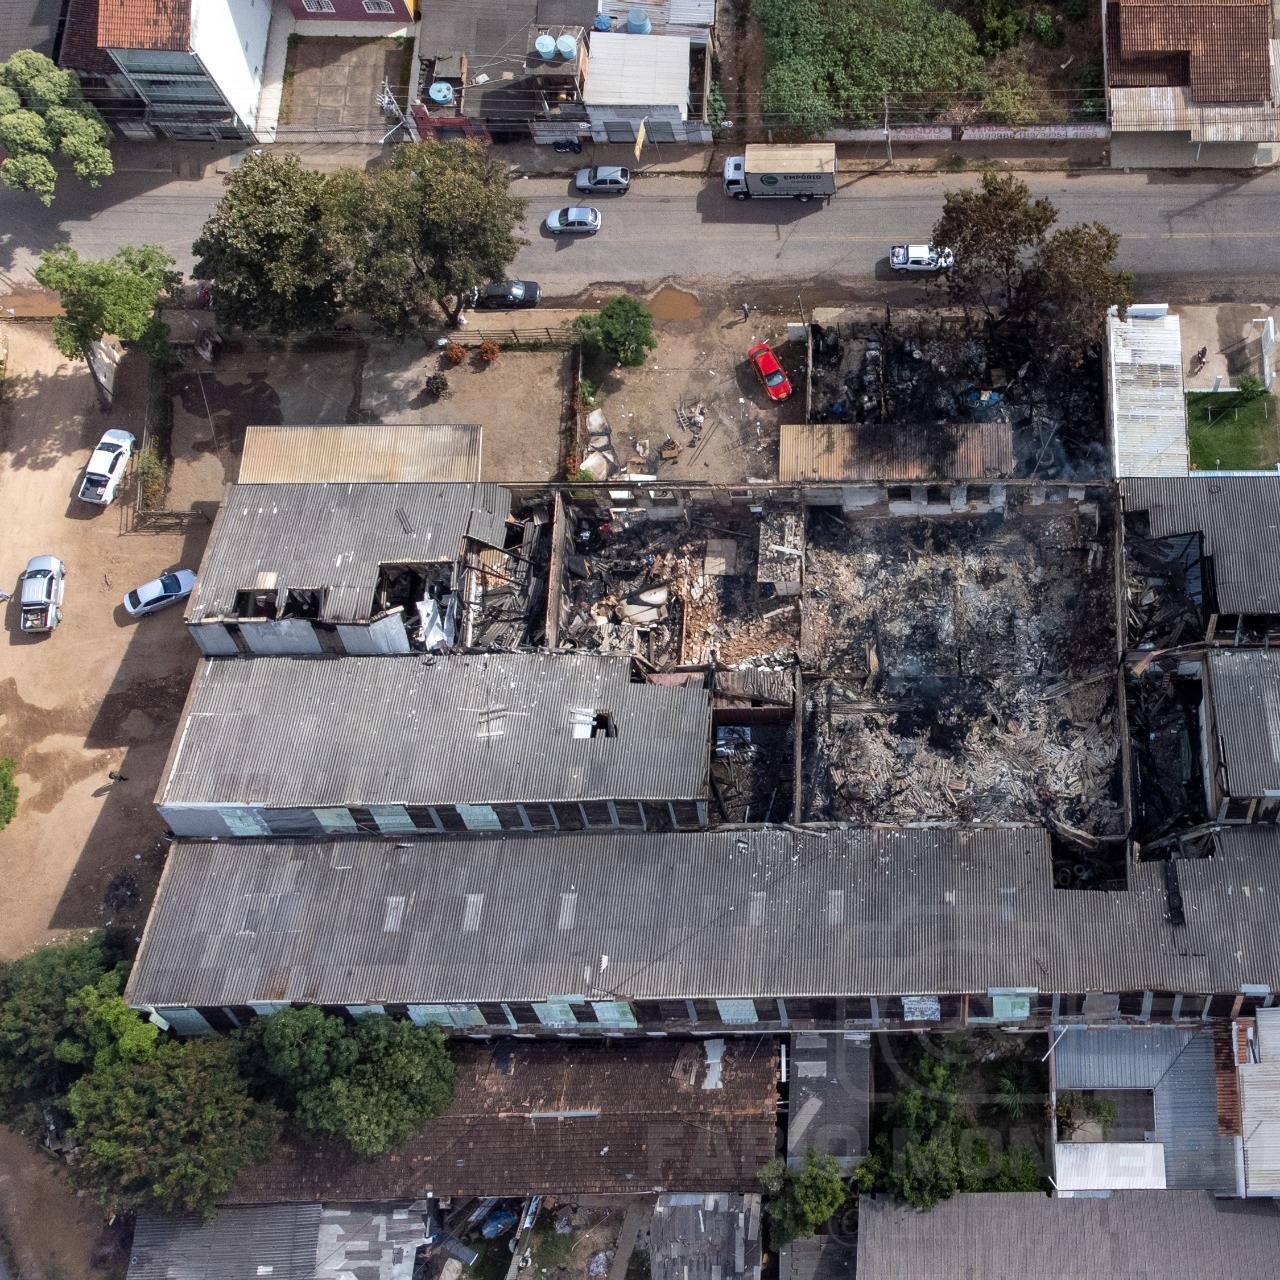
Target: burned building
{"x":403,"y":744}
{"x":350,"y":568}
{"x":731,"y":931}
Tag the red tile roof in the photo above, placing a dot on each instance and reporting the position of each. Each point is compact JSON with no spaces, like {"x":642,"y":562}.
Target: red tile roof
{"x":80,"y":51}
{"x":144,"y":24}
{"x":561,"y":1119}
{"x":1218,"y":47}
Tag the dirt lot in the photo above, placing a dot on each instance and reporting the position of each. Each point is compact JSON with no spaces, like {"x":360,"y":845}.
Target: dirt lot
{"x":101,"y":693}
{"x":701,"y":360}
{"x":522,"y":402}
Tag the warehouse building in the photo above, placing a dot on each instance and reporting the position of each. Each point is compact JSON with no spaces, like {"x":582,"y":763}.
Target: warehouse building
{"x":730,"y":930}
{"x":421,"y":744}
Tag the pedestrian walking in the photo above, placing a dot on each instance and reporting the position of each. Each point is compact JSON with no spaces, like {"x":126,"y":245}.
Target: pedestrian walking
{"x":746,"y":311}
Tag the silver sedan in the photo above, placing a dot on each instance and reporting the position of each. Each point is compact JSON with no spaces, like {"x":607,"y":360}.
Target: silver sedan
{"x":583,"y":221}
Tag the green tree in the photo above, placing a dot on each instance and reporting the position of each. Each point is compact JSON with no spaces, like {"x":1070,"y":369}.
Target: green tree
{"x":118,"y":295}
{"x":8,"y":791}
{"x":371,"y":1083}
{"x":623,"y":328}
{"x":42,"y":114}
{"x":994,"y":230}
{"x":797,"y":95}
{"x":422,"y":232}
{"x":38,"y":1027}
{"x":265,"y":250}
{"x":1074,"y":282}
{"x":168,"y":1133}
{"x":800,"y":1201}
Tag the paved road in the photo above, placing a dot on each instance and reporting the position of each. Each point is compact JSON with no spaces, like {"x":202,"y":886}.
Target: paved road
{"x":1200,"y":236}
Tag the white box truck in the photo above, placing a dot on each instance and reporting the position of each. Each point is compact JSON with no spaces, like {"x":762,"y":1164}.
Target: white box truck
{"x":795,"y":173}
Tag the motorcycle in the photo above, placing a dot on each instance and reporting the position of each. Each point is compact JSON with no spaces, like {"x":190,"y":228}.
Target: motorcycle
{"x":1199,"y":360}
{"x":567,"y":146}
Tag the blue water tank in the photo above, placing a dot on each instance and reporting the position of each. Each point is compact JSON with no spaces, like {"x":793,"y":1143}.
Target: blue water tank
{"x":603,"y":22}
{"x":441,"y":92}
{"x":638,"y":23}
{"x":546,"y":46}
{"x":567,"y":46}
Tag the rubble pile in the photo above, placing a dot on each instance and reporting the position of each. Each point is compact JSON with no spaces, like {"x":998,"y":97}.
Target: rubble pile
{"x":964,"y":670}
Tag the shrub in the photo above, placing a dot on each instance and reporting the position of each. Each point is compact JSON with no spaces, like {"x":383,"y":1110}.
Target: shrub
{"x":437,"y":385}
{"x":1250,"y":388}
{"x":717,"y":111}
{"x":623,"y":327}
{"x":455,"y":353}
{"x":800,"y":1201}
{"x":1010,"y":103}
{"x":489,"y":351}
{"x":150,"y":477}
{"x":8,"y":791}
{"x":1078,"y":10}
{"x":1045,"y":30}
{"x":586,"y":393}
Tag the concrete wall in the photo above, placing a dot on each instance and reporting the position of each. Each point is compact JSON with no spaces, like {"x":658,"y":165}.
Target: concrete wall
{"x":230,"y":39}
{"x":353,"y":11}
{"x":1178,"y":151}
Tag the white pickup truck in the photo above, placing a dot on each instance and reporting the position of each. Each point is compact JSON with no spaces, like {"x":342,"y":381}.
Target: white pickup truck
{"x":920,"y":257}
{"x":42,"y":586}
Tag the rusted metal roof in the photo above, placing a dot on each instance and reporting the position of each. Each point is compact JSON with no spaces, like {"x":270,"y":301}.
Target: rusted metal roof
{"x":559,"y":1119}
{"x":367,"y":453}
{"x":849,"y":452}
{"x":1221,"y":48}
{"x":144,"y":24}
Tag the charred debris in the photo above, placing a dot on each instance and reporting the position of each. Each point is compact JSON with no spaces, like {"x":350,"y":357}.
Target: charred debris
{"x":955,"y":663}
{"x":908,"y":369}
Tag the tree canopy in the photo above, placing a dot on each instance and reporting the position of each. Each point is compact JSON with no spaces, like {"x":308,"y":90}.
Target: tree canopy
{"x":839,"y":58}
{"x":287,"y":249}
{"x":622,"y":328}
{"x":800,"y":1201}
{"x":43,"y":114}
{"x":119,"y":295}
{"x":42,"y":1037}
{"x":266,"y":251}
{"x":167,"y":1128}
{"x":371,"y":1083}
{"x":1054,"y":287}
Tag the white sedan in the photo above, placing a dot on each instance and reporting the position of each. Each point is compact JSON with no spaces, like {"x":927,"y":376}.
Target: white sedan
{"x":159,"y":593}
{"x":106,"y":468}
{"x":920,"y":257}
{"x":583,"y":221}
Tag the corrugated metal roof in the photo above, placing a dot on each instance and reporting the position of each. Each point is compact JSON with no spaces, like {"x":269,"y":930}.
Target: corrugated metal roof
{"x":1171,"y":109}
{"x":363,"y":453}
{"x":1108,"y":1166}
{"x":637,"y":71}
{"x":1174,"y":1063}
{"x":668,"y":17}
{"x":925,"y":911}
{"x":1240,"y":519}
{"x":1148,"y":407}
{"x":368,"y":1244}
{"x":333,"y":537}
{"x":1128,"y":1235}
{"x":237,"y":1245}
{"x":1260,"y":1109}
{"x":1245,"y":687}
{"x":424,"y":730}
{"x":853,"y":451}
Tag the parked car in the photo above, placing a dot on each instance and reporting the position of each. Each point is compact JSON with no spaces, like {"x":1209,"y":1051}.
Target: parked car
{"x":159,"y":593}
{"x":505,"y":294}
{"x":106,"y":468}
{"x":776,"y":384}
{"x":583,"y":221}
{"x":608,"y":179}
{"x":920,"y":257}
{"x":41,"y":588}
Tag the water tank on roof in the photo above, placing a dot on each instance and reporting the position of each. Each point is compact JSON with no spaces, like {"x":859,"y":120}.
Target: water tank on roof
{"x":567,"y":46}
{"x":638,"y":23}
{"x":546,"y":46}
{"x":603,"y":22}
{"x":441,"y":92}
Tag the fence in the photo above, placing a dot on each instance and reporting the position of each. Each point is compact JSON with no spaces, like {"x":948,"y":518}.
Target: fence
{"x":532,"y":335}
{"x":155,"y":437}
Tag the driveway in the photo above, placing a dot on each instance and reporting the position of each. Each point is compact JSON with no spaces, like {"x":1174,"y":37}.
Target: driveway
{"x":101,"y":693}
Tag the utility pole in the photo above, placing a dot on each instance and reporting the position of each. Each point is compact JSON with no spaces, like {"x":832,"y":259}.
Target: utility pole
{"x":888,"y":141}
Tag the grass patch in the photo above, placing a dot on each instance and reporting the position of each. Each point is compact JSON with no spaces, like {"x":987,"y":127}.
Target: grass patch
{"x":1227,"y":432}
{"x":550,"y":1250}
{"x":8,"y":791}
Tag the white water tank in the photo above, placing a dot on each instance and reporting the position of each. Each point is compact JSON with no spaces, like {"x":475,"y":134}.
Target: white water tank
{"x":441,"y":92}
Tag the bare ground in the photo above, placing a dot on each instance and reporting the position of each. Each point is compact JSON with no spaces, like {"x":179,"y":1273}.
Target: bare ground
{"x":101,"y":693}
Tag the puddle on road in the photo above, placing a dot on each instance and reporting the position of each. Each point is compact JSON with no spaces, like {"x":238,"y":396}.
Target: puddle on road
{"x":674,"y":304}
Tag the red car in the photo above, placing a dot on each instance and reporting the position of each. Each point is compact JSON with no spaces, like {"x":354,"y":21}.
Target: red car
{"x":775,"y":380}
